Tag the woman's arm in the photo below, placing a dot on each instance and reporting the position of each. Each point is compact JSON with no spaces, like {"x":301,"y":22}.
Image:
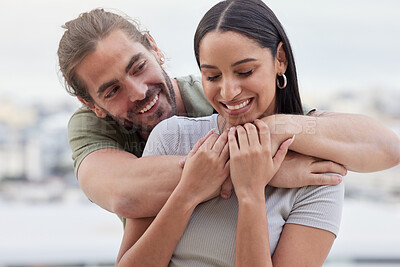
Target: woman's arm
{"x":252,"y":238}
{"x":156,"y":245}
{"x":357,"y":142}
{"x":252,"y":167}
{"x":301,"y":245}
{"x":158,"y":242}
{"x":298,"y":245}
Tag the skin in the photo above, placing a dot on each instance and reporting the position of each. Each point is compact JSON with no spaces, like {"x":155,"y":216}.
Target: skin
{"x":247,"y":80}
{"x":113,"y":178}
{"x":122,"y":92}
{"x":236,"y":72}
{"x":131,"y":196}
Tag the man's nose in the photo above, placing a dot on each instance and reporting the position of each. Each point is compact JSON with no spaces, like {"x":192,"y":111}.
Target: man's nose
{"x":136,"y":91}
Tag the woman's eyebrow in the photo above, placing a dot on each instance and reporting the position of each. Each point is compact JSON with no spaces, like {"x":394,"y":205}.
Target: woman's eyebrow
{"x":243,"y":61}
{"x":206,"y":66}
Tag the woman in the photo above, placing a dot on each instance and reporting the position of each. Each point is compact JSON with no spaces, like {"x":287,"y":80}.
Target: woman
{"x":248,"y":72}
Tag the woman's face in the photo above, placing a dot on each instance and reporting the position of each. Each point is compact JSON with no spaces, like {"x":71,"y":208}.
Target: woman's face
{"x":239,"y":77}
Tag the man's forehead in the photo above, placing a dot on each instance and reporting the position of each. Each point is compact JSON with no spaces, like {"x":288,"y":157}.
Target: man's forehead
{"x":119,"y":40}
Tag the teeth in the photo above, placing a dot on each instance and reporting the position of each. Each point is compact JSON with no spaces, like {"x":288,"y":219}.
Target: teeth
{"x":150,"y":105}
{"x":245,"y":103}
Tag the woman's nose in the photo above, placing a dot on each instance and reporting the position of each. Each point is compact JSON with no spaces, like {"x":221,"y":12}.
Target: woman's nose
{"x":230,"y":89}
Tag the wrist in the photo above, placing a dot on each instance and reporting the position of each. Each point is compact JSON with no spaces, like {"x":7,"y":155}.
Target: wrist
{"x":282,"y":127}
{"x":185,"y":197}
{"x":251,"y":196}
{"x":183,"y":201}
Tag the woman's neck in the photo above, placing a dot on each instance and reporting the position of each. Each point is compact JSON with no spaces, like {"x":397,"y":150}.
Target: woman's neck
{"x":222,"y":124}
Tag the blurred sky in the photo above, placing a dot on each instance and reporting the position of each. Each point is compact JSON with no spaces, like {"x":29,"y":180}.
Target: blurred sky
{"x":337,"y":44}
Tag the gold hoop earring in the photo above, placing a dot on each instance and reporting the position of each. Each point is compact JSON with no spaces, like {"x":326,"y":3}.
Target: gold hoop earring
{"x":284,"y":81}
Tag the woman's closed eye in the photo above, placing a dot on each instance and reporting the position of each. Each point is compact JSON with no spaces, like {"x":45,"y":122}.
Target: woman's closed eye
{"x":213,"y":78}
{"x":245,"y":73}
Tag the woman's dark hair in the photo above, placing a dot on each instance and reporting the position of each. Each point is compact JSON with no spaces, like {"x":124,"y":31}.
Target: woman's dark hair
{"x":254,"y":19}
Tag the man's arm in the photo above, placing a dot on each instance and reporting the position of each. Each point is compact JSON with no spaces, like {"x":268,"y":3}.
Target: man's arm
{"x":133,"y":188}
{"x":126,"y":185}
{"x":355,"y":141}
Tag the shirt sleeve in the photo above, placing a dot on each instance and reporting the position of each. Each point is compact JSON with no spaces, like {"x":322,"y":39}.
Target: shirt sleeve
{"x":307,"y":109}
{"x":88,"y":133}
{"x":319,"y":207}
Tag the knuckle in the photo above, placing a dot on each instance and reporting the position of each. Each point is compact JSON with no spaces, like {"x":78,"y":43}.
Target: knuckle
{"x":266,"y":150}
{"x":249,"y":126}
{"x":331,"y":165}
{"x":240,"y":129}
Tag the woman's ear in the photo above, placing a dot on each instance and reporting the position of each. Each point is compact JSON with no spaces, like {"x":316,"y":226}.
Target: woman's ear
{"x":157,"y":51}
{"x":281,"y":62}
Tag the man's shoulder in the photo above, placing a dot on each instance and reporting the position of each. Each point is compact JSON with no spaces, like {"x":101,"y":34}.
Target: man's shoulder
{"x":194,"y":100}
{"x":189,"y":80}
{"x":85,"y":122}
{"x":81,"y":113}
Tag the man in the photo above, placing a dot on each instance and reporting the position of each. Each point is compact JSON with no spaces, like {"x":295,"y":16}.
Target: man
{"x":116,"y":72}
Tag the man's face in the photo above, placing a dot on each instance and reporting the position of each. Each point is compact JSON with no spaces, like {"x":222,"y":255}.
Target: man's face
{"x":127,"y":83}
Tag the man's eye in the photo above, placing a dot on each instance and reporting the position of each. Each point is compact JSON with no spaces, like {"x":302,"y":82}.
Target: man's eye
{"x":213,"y":78}
{"x":112,"y":92}
{"x":140,"y":67}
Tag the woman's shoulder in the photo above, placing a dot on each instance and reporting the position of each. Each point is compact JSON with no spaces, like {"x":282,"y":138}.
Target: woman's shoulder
{"x":177,"y":134}
{"x":176,"y":124}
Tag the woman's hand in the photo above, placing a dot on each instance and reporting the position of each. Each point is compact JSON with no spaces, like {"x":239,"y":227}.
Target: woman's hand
{"x":206,"y":168}
{"x":252,"y":164}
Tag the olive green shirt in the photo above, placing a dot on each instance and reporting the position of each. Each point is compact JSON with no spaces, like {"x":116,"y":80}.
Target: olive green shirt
{"x":88,"y":133}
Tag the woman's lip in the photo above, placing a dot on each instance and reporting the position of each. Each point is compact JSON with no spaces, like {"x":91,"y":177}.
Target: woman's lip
{"x":238,"y":107}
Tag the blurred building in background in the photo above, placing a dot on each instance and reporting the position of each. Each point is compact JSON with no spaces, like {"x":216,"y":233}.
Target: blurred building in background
{"x":38,"y":186}
{"x":34,"y":150}
{"x":34,"y":147}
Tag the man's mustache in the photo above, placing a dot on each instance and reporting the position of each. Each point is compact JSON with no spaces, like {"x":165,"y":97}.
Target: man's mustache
{"x":150,"y":94}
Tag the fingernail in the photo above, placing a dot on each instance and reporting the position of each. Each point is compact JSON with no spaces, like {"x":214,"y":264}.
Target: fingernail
{"x":339,"y":178}
{"x":291,"y":141}
{"x":225,"y":196}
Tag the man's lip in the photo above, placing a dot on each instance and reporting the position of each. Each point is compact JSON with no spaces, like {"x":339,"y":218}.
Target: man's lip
{"x":150,"y":105}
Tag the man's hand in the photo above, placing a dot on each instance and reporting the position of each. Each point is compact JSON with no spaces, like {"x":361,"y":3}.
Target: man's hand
{"x":299,"y":170}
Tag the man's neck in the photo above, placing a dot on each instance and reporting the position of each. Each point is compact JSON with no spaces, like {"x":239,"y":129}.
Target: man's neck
{"x":180,"y":107}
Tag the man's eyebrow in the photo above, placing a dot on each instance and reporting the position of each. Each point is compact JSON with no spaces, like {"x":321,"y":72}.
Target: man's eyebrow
{"x":233,"y":65}
{"x":132,"y":61}
{"x":104,"y":86}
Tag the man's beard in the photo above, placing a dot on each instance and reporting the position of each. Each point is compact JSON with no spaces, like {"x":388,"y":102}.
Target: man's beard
{"x":148,"y":125}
